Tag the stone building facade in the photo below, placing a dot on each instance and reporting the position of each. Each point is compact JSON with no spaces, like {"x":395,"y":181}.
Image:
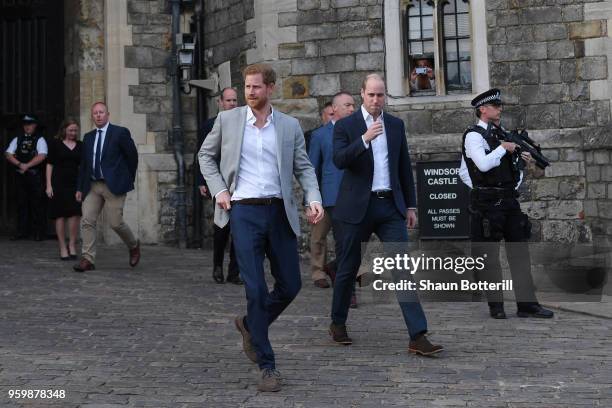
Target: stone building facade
{"x":550,"y":59}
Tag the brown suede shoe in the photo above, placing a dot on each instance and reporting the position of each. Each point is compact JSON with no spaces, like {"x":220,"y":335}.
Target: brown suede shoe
{"x":321,"y":283}
{"x":270,"y":380}
{"x":339,"y":334}
{"x":84,"y":265}
{"x":423,"y":347}
{"x":247,"y":346}
{"x":135,"y":255}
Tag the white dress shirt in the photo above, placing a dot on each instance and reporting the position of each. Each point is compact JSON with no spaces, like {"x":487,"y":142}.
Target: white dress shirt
{"x":41,"y":146}
{"x":382,"y":179}
{"x":93,"y":161}
{"x":258,"y":175}
{"x":477,"y":149}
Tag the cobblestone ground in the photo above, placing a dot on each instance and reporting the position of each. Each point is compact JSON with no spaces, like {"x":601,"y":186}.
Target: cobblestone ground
{"x":161,"y":336}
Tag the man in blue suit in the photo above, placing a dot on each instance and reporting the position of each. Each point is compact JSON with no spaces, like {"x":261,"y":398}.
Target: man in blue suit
{"x":106,"y":174}
{"x":376,"y":195}
{"x":329,"y":177}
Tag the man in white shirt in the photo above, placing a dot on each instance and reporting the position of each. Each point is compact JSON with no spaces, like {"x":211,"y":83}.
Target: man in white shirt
{"x":377,"y":196}
{"x":492,"y":168}
{"x":109,"y":161}
{"x":249,"y":160}
{"x":27,"y":152}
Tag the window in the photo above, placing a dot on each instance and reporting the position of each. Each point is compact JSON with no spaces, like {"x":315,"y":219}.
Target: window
{"x":437,"y":45}
{"x":435,"y":50}
{"x":457,"y":45}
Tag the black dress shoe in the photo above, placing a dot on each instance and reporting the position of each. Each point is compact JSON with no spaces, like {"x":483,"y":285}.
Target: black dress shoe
{"x":498,"y":313}
{"x":218,"y":274}
{"x":18,"y":237}
{"x":534,"y":311}
{"x":235,"y":279}
{"x":496,"y":310}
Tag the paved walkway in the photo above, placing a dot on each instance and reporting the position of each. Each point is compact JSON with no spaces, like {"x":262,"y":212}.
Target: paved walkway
{"x":161,"y":336}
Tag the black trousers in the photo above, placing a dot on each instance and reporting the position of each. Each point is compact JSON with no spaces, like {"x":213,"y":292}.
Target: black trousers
{"x":492,"y":221}
{"x":220,"y":238}
{"x":30,"y":204}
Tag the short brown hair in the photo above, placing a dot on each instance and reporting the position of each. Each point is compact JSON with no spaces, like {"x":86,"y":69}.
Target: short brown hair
{"x":370,"y":76}
{"x":266,"y":71}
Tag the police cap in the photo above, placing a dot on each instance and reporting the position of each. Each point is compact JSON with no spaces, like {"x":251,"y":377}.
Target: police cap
{"x":492,"y":96}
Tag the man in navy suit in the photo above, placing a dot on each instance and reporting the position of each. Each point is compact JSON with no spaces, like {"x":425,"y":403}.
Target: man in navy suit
{"x":329,"y":176}
{"x":106,"y":174}
{"x":376,"y":195}
{"x":228,"y":99}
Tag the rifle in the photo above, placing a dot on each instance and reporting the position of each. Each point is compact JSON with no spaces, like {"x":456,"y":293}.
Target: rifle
{"x":525,"y":143}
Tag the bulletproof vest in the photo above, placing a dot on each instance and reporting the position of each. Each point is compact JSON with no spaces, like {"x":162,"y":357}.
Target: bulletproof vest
{"x":26,"y":148}
{"x":503,"y":176}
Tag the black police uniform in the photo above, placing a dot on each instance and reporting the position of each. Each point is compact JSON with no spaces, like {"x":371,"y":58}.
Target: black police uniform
{"x":30,"y":191}
{"x":496,"y":215}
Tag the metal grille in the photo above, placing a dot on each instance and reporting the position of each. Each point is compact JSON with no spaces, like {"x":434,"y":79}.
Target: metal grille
{"x":31,"y":78}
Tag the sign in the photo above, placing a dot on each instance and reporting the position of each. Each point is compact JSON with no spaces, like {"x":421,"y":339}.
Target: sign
{"x":443,"y":201}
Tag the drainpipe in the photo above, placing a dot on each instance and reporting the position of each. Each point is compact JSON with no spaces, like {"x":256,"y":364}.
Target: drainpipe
{"x":200,"y":72}
{"x":178,"y":142}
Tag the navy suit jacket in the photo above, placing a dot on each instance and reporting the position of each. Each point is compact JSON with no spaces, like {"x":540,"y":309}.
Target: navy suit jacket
{"x":119,"y":161}
{"x":357,"y":161}
{"x":321,"y":156}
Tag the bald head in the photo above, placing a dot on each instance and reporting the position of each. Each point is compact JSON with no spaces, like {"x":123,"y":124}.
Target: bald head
{"x":228,"y":99}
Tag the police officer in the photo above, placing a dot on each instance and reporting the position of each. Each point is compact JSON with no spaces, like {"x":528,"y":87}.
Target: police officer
{"x":27,"y":152}
{"x":492,"y":168}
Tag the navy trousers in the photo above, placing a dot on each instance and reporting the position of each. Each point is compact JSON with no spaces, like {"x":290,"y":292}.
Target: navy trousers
{"x":382,"y":219}
{"x":259,"y":231}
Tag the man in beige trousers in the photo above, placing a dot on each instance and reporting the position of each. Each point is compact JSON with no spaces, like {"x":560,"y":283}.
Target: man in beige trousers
{"x":107,"y":172}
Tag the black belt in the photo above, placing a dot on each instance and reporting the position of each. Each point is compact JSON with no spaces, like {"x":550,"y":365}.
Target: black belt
{"x":258,"y":201}
{"x":484,"y":193}
{"x":383,"y":193}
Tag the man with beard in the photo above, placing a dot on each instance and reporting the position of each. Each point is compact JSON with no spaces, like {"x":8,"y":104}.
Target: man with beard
{"x":249,"y":160}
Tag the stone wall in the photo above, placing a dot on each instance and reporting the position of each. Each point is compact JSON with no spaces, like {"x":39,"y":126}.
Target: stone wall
{"x":83,"y":58}
{"x":551,"y":60}
{"x":540,"y":55}
{"x":226,"y":37}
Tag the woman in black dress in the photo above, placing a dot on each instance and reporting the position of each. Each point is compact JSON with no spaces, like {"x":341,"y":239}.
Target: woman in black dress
{"x":62,"y":169}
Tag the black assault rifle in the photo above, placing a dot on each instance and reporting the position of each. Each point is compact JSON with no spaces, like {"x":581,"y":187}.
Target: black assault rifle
{"x":524,"y":143}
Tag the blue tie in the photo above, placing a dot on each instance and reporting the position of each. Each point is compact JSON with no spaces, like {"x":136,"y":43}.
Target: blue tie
{"x":97,"y":169}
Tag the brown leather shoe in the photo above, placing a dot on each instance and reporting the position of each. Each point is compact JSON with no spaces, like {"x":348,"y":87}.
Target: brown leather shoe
{"x":270,"y":380}
{"x":247,"y":346}
{"x":84,"y":265}
{"x":321,"y":283}
{"x":339,"y":334}
{"x":423,"y":347}
{"x":330,"y":270}
{"x":135,"y":255}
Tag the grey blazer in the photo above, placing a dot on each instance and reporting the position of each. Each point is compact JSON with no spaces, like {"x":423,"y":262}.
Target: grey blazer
{"x":219,"y":159}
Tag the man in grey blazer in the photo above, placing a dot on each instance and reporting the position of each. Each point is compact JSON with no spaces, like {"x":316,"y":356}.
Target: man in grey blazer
{"x":249,"y":160}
